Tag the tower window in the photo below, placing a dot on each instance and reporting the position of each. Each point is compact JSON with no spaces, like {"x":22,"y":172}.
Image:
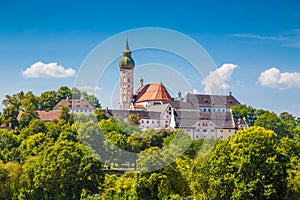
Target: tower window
{"x":128,"y":80}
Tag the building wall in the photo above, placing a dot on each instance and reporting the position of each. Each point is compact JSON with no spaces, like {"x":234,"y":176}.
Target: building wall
{"x":149,"y":123}
{"x":84,"y":111}
{"x":165,"y":118}
{"x":210,"y":109}
{"x":126,"y":88}
{"x":225,"y":133}
{"x":207,"y":129}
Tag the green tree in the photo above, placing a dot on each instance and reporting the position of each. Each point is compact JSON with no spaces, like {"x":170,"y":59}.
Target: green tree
{"x":33,"y":145}
{"x":64,"y":170}
{"x":290,"y":151}
{"x":29,"y":114}
{"x":68,"y":132}
{"x":76,"y":93}
{"x":133,"y":119}
{"x":248,"y":166}
{"x":92,"y":99}
{"x":100,"y":114}
{"x":30,"y":98}
{"x":65,"y":113}
{"x":9,"y":116}
{"x":63,"y":93}
{"x":9,"y":143}
{"x":271,"y":121}
{"x":10,"y":184}
{"x":48,"y":100}
{"x":244,"y":112}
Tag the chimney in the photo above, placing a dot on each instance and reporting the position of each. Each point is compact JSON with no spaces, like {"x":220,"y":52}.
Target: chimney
{"x":230,"y":93}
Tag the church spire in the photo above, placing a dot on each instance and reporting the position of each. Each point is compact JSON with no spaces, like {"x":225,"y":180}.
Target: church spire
{"x":126,"y":50}
{"x":126,"y":61}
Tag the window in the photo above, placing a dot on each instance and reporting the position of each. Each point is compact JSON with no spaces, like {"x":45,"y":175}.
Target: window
{"x":229,"y":131}
{"x":166,"y":121}
{"x":221,"y":136}
{"x":212,"y":130}
{"x":188,"y":130}
{"x":147,"y":122}
{"x":197,"y":137}
{"x":142,"y":121}
{"x":204,"y":109}
{"x":221,"y":130}
{"x":128,"y":80}
{"x":204,"y":130}
{"x":197,"y":130}
{"x":169,"y":113}
{"x":212,"y":136}
{"x":204,"y":136}
{"x":152,"y":122}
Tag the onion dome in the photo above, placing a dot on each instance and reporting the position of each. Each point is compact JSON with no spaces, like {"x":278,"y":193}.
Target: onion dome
{"x":126,"y":61}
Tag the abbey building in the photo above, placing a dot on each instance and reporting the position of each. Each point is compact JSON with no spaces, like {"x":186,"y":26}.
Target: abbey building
{"x":200,"y":115}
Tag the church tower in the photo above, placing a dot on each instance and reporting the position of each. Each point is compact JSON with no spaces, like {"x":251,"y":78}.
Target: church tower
{"x":126,"y":78}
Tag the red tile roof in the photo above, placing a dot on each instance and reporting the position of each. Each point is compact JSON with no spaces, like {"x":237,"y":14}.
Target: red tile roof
{"x":44,"y":115}
{"x":152,"y":92}
{"x":74,"y":103}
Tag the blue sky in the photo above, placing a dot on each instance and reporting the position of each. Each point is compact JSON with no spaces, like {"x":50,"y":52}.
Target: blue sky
{"x":261,"y":37}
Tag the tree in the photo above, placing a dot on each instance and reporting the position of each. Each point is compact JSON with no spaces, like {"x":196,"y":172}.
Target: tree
{"x":9,"y":143}
{"x":33,"y":145}
{"x":290,"y":151}
{"x":287,"y":117}
{"x":248,"y":166}
{"x":133,"y":119}
{"x":28,"y":99}
{"x":63,"y":93}
{"x":29,"y":114}
{"x":64,"y":113}
{"x":10,"y":112}
{"x":100,"y":114}
{"x":76,"y":93}
{"x":9,"y":116}
{"x":92,"y":99}
{"x":48,"y":100}
{"x":271,"y":121}
{"x":0,"y":118}
{"x":244,"y":112}
{"x":64,"y":170}
{"x":10,"y":180}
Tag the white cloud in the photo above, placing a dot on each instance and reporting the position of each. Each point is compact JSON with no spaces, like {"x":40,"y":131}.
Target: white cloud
{"x":89,"y":89}
{"x":275,"y":79}
{"x":218,"y":81}
{"x":40,"y":69}
{"x":195,"y":91}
